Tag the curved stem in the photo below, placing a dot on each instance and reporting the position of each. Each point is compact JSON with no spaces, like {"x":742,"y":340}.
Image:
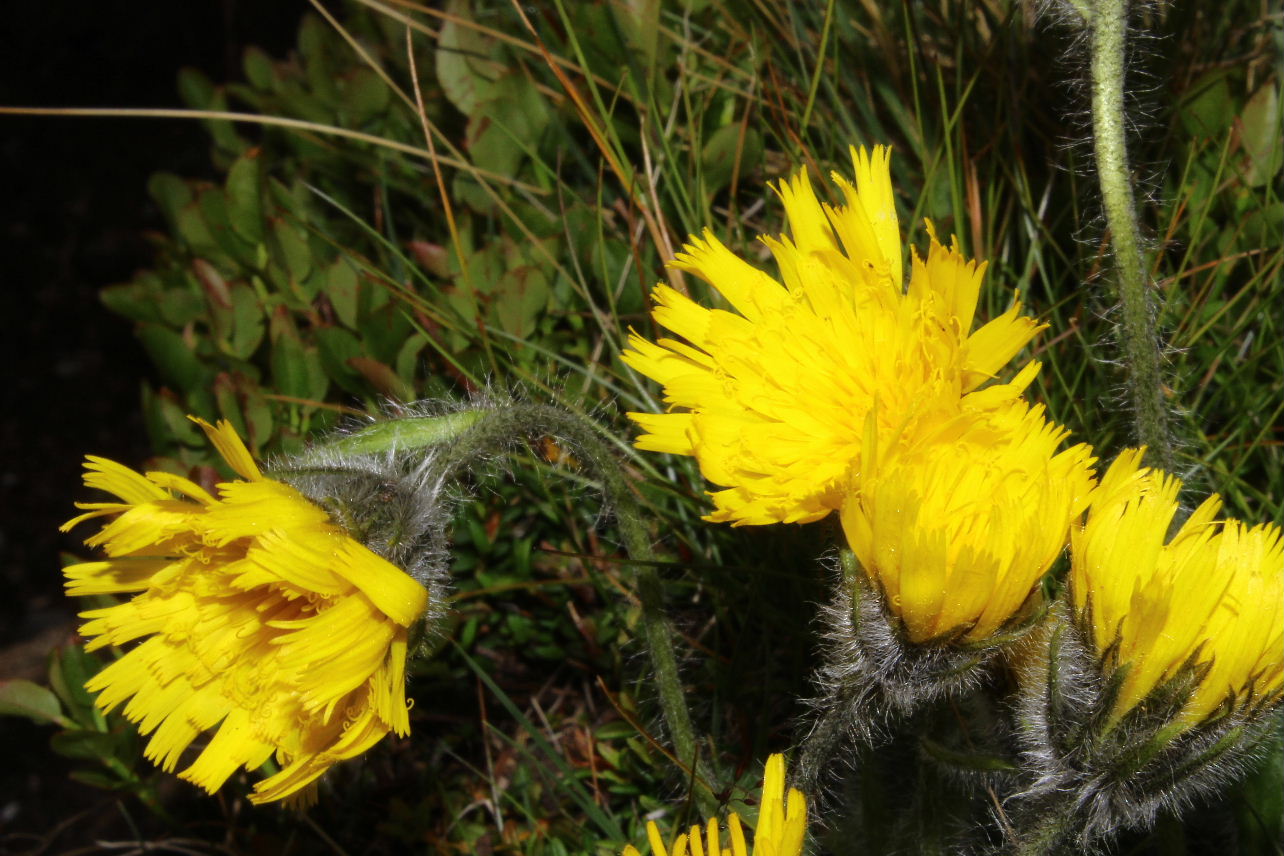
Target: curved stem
{"x":462,"y":439}
{"x":1142,"y":348}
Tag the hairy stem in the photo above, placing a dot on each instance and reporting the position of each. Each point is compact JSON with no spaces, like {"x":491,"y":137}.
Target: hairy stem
{"x":465,"y":438}
{"x":1045,"y":833}
{"x":1142,"y":349}
{"x":415,"y":432}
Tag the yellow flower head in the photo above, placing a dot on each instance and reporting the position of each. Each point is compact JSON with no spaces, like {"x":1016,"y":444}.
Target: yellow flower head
{"x":261,"y":621}
{"x":782,"y":825}
{"x":957,"y":527}
{"x":1211,"y":597}
{"x":771,"y":399}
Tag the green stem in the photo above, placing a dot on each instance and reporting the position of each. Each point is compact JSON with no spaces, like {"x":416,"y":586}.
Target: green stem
{"x":1142,"y":348}
{"x":823,"y":743}
{"x":467,"y":437}
{"x":831,"y":729}
{"x":1044,"y":834}
{"x":418,"y":432}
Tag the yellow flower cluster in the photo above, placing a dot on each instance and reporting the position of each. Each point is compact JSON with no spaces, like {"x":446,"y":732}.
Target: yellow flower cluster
{"x":841,"y":390}
{"x":1210,"y":598}
{"x":781,"y":830}
{"x":261,"y":621}
{"x":844,"y":389}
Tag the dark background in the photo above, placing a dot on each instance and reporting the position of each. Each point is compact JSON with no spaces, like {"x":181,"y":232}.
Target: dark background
{"x":74,"y":214}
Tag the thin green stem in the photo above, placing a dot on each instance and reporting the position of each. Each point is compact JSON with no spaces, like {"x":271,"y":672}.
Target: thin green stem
{"x":1142,"y":349}
{"x":463,"y":439}
{"x":820,"y":67}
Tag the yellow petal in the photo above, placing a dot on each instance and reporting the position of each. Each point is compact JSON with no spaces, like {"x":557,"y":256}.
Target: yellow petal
{"x":229,"y":445}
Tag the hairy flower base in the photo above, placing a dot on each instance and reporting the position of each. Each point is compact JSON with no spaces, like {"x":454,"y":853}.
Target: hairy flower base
{"x":261,"y":621}
{"x":772,"y":399}
{"x":782,"y":826}
{"x":1156,"y":681}
{"x":1085,"y":776}
{"x":873,"y":677}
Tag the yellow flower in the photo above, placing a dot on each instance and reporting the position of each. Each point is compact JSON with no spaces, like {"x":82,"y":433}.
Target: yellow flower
{"x":261,"y":621}
{"x":1211,"y":597}
{"x":771,"y":399}
{"x":957,"y":527}
{"x":782,"y":825}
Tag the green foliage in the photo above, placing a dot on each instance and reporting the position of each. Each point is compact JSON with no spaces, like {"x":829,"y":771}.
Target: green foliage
{"x":574,"y":151}
{"x":108,"y":744}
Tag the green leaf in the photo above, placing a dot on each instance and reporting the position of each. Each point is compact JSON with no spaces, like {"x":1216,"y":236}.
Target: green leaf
{"x":522,"y":296}
{"x":639,"y":20}
{"x":383,"y":378}
{"x":196,"y":90}
{"x":98,"y":779}
{"x":290,"y":247}
{"x":1261,"y":225}
{"x":408,"y":357}
{"x":342,"y":288}
{"x":295,"y":369}
{"x":384,"y":331}
{"x":316,"y":46}
{"x":336,"y":346}
{"x":70,"y":666}
{"x":199,"y":93}
{"x":259,"y":422}
{"x":244,"y":196}
{"x":228,"y":405}
{"x":1208,"y":109}
{"x":247,"y":324}
{"x":462,"y":66}
{"x":171,"y":193}
{"x":365,"y":95}
{"x":166,"y":421}
{"x":134,"y":300}
{"x":194,"y":232}
{"x":180,"y":306}
{"x":214,"y":208}
{"x":37,"y":703}
{"x":313,"y":36}
{"x":1263,"y":143}
{"x":85,"y":745}
{"x":174,"y":358}
{"x":258,"y":68}
{"x":506,"y":124}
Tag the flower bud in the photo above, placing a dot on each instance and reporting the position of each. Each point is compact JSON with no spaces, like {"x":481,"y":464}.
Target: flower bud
{"x":952,"y":530}
{"x":1156,"y":682}
{"x":955,"y":530}
{"x":1210,"y":600}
